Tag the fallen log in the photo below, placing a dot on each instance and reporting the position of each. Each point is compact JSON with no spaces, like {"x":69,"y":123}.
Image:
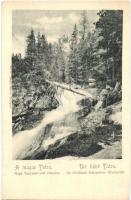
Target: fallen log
{"x":69,"y":89}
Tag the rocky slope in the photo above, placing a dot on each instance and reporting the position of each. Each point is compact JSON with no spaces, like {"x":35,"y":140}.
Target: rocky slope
{"x":30,"y":105}
{"x":75,"y":129}
{"x":96,"y":136}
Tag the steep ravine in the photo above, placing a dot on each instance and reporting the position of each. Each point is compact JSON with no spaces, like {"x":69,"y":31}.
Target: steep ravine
{"x":56,"y":124}
{"x":73,"y":129}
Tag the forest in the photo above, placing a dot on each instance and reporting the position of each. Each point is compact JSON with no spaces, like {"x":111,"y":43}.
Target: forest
{"x":90,"y":57}
{"x":91,"y":53}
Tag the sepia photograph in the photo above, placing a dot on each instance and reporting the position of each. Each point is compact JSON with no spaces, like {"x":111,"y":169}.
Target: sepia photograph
{"x":66,"y":78}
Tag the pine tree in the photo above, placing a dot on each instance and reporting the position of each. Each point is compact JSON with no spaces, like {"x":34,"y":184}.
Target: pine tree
{"x":31,"y":48}
{"x":84,"y":26}
{"x":61,"y":61}
{"x":54,"y":69}
{"x":39,"y":62}
{"x":72,"y":63}
{"x":110,"y":26}
{"x":83,"y":49}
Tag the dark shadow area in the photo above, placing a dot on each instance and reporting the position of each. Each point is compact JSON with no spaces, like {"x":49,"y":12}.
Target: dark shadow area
{"x":80,"y":144}
{"x":75,"y":145}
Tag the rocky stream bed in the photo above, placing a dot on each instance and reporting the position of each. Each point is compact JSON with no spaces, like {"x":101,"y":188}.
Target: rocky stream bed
{"x":73,"y":128}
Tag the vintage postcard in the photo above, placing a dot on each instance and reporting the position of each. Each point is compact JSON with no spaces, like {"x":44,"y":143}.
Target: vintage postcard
{"x":65,"y":100}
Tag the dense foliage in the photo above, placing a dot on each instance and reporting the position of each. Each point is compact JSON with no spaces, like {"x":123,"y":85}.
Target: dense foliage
{"x":92,"y":51}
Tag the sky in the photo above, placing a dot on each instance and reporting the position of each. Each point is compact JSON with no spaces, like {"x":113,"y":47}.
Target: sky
{"x":51,"y":23}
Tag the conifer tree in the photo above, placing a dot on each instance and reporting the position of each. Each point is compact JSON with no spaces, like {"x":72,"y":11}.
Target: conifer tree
{"x":31,"y":47}
{"x":73,"y":59}
{"x":110,"y":26}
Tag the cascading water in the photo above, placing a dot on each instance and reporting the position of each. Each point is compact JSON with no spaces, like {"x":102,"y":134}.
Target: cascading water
{"x":24,"y":140}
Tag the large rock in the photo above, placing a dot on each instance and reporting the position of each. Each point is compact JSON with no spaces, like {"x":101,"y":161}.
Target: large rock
{"x":29,"y":106}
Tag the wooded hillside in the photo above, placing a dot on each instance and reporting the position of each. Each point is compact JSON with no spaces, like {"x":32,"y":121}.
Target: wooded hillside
{"x":94,"y":51}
